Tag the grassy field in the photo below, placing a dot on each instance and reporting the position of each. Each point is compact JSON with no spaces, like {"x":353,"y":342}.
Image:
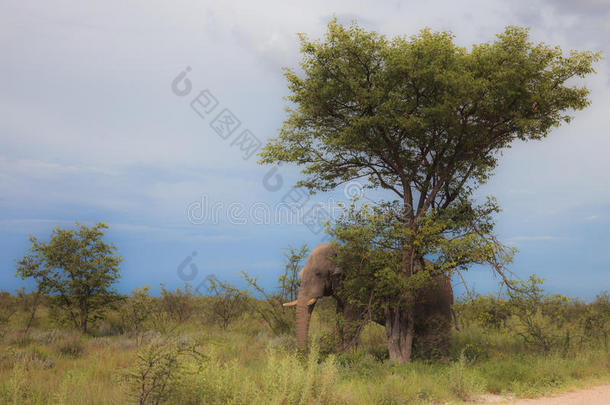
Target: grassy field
{"x":180,"y":352}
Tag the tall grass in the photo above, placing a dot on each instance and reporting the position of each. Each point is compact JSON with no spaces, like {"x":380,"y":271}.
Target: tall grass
{"x":245,"y":362}
{"x":282,"y":378}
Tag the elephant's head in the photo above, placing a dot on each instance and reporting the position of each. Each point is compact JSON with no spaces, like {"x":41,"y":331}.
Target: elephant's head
{"x":317,"y":279}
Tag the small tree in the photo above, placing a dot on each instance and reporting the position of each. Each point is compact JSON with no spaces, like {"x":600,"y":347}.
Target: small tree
{"x":540,"y":318}
{"x":137,"y":309}
{"x":158,"y":368}
{"x":77,"y":269}
{"x":596,"y":321}
{"x":8,"y":307}
{"x":178,"y":304}
{"x":289,"y":282}
{"x":29,"y":304}
{"x":227,"y":301}
{"x":269,"y":307}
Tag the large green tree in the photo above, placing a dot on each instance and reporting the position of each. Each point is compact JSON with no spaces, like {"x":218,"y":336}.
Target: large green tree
{"x":77,"y":269}
{"x":421,"y":117}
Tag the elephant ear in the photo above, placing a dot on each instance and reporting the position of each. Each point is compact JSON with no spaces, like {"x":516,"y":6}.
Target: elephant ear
{"x":334,"y":269}
{"x":301,"y":273}
{"x":335,"y":277}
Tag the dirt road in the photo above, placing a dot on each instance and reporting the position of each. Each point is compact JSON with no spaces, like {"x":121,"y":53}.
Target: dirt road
{"x":599,"y":395}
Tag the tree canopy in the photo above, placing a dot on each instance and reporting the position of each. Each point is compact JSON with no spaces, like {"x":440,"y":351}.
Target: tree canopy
{"x":421,"y":116}
{"x":77,"y":269}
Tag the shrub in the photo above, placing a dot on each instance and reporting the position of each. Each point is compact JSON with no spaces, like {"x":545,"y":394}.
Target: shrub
{"x":165,"y":313}
{"x":136,"y":310}
{"x":538,"y":319}
{"x":473,"y":352}
{"x":71,"y":346}
{"x":596,"y":321}
{"x":157,"y":367}
{"x":289,"y":281}
{"x":463,"y":381}
{"x":8,"y":307}
{"x":227,"y":302}
{"x":279,"y":319}
{"x":485,"y":310}
{"x":30,"y":357}
{"x":179,"y":303}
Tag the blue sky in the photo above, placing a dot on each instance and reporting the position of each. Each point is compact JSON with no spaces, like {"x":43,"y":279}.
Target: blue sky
{"x":91,"y":131}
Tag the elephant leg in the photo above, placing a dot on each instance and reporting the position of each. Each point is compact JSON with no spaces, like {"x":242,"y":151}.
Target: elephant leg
{"x":432,"y":336}
{"x":433,"y":321}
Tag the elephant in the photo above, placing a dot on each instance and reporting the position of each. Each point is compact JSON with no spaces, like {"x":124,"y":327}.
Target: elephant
{"x":321,"y":277}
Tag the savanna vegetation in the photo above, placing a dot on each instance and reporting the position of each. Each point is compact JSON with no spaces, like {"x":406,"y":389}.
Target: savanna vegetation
{"x":232,"y":345}
{"x":419,"y":117}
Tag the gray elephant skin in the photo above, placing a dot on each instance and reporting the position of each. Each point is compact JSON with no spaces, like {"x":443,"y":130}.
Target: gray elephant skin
{"x":320,"y":277}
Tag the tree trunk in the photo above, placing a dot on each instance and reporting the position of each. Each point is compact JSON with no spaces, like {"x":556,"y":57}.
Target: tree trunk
{"x":400,"y":320}
{"x":399,"y":332}
{"x":32,"y":312}
{"x":83,"y":321}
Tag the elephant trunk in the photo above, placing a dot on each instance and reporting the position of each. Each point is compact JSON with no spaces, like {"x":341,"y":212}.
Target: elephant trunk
{"x":303,"y":316}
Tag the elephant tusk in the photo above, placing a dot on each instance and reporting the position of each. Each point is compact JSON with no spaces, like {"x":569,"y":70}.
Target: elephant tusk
{"x":294,"y":303}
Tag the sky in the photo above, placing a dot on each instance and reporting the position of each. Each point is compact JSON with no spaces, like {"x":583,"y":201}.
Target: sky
{"x":97,"y":124}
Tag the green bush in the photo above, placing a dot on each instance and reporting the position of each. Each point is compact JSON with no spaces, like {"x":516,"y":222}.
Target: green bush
{"x":157,"y":369}
{"x":72,"y":346}
{"x":463,"y":380}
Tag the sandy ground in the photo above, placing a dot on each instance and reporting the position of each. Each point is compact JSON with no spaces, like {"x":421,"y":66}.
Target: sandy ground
{"x":599,"y":395}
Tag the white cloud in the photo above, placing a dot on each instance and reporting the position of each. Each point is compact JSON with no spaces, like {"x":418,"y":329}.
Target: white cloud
{"x":33,"y":225}
{"x":90,"y":124}
{"x":524,"y":239}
